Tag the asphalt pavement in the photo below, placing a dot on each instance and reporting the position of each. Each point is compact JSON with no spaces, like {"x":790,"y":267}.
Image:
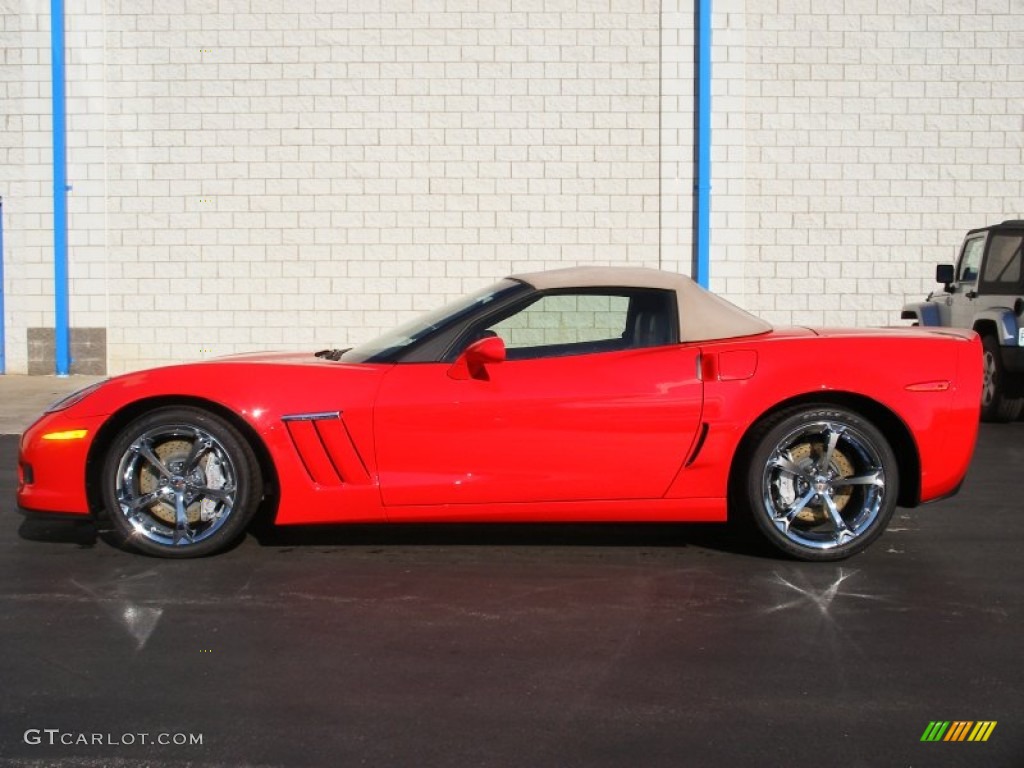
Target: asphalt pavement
{"x":530,"y":646}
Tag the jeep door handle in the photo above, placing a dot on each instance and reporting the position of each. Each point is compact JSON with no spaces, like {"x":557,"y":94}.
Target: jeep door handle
{"x":971,"y":294}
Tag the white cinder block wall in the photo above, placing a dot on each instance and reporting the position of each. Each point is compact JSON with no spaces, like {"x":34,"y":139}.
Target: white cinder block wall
{"x":876,"y":134}
{"x":252,"y":175}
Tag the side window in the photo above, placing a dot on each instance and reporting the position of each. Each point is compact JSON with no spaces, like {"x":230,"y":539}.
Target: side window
{"x":565,"y":319}
{"x":970,"y":260}
{"x":579,"y":323}
{"x":1003,"y":264}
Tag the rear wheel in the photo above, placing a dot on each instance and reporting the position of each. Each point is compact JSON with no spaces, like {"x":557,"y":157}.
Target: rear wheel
{"x":996,"y":405}
{"x":822,"y":482}
{"x":180,"y":482}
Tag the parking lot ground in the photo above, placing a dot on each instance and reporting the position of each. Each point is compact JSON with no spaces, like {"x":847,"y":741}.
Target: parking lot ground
{"x":586,"y":646}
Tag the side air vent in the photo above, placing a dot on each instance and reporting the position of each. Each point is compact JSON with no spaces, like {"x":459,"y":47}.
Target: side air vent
{"x":326,"y":449}
{"x":700,"y":444}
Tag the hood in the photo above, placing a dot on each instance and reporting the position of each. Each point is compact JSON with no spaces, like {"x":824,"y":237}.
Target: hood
{"x":279,"y":358}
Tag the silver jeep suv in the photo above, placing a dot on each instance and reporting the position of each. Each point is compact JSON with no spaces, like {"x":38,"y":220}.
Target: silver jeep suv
{"x":985,"y":292}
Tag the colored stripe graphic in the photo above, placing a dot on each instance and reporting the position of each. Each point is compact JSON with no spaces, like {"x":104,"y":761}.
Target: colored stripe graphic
{"x":982,"y":730}
{"x":935,"y":731}
{"x":958,"y":730}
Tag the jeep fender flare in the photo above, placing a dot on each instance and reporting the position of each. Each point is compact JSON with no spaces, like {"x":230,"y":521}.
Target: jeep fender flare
{"x":999,"y":322}
{"x":925,"y":312}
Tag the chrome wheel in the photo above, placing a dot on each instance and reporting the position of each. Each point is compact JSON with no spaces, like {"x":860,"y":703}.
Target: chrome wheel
{"x":811,"y":478}
{"x":176,"y":485}
{"x":180,"y":482}
{"x":823,"y":483}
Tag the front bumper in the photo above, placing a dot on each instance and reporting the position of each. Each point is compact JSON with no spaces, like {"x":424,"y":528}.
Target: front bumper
{"x":52,"y":472}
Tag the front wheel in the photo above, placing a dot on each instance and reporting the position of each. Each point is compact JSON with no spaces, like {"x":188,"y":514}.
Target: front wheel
{"x":822,"y":482}
{"x":180,"y":482}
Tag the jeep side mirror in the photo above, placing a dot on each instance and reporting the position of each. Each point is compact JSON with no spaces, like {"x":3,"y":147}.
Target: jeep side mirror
{"x":472,"y":363}
{"x":944,"y":274}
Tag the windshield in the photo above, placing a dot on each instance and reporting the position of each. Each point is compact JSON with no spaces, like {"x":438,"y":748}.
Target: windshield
{"x":385,"y":347}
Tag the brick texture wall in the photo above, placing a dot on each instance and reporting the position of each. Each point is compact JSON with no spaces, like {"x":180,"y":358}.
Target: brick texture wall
{"x":265,"y":174}
{"x":281,"y":177}
{"x":875,"y":134}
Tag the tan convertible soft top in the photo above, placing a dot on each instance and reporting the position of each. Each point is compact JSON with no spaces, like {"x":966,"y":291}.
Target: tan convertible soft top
{"x":702,"y":315}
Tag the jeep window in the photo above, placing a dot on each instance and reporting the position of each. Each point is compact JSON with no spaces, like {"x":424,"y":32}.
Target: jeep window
{"x":970,"y":260}
{"x":1003,"y":265}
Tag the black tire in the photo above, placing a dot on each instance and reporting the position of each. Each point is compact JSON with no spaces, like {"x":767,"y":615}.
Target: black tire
{"x":180,"y":482}
{"x":797,"y":488}
{"x":996,"y":404}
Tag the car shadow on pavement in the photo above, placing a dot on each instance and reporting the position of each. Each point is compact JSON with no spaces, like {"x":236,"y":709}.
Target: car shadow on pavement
{"x":85,"y":534}
{"x":718,"y":537}
{"x":55,"y":529}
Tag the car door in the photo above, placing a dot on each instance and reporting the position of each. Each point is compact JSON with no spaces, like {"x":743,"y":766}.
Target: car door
{"x":960,"y":309}
{"x":596,"y":400}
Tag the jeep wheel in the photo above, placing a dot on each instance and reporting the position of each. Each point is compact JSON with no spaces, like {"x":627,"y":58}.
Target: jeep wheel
{"x":995,"y":404}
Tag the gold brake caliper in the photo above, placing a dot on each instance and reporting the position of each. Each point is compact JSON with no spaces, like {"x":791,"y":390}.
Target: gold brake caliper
{"x":816,"y":512}
{"x":169,"y":453}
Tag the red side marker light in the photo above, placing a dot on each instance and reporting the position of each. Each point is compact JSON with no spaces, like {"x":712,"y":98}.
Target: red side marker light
{"x":928,"y":386}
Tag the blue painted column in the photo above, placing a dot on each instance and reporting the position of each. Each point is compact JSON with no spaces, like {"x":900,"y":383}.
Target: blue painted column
{"x":62,"y":324}
{"x":3,"y":327}
{"x":702,"y":188}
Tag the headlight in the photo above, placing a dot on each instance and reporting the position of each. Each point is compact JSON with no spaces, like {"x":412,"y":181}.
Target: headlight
{"x":75,"y":397}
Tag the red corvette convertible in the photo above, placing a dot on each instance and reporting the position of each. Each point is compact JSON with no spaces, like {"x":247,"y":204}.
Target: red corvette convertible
{"x":582,"y":394}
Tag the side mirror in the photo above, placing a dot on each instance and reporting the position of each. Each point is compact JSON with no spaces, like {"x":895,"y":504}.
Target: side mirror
{"x":472,"y":363}
{"x":944,"y":274}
